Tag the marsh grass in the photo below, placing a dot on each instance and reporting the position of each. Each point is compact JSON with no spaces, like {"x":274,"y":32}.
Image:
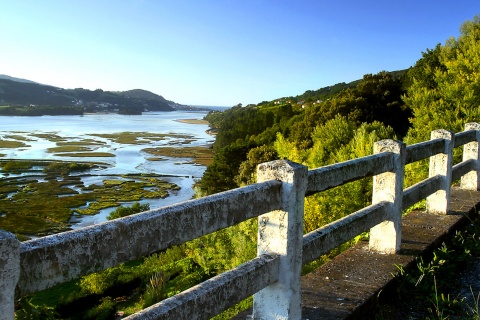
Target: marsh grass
{"x":52,"y":137}
{"x":12,"y":144}
{"x":86,"y":154}
{"x":29,"y":207}
{"x":68,"y":148}
{"x":82,"y":142}
{"x":201,"y":155}
{"x":193,"y":121}
{"x":141,"y":137}
{"x":18,"y":137}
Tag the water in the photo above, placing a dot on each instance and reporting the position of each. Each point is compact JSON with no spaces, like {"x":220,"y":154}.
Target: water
{"x":128,"y":157}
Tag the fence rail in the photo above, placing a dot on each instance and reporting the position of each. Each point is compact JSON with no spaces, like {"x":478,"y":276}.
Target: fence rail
{"x":273,"y":277}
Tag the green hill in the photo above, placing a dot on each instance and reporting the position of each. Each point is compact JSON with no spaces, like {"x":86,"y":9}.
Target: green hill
{"x":16,"y":92}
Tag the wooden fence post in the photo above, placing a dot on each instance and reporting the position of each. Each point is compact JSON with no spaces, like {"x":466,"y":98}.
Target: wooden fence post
{"x":9,"y":273}
{"x":388,"y":186}
{"x":441,"y":164}
{"x":281,"y":232}
{"x":471,"y":151}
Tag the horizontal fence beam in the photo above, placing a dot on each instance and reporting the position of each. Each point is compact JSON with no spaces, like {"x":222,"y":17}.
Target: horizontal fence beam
{"x":462,"y":168}
{"x":330,"y":236}
{"x":58,"y":258}
{"x":420,"y":191}
{"x":424,"y":150}
{"x":334,"y":175}
{"x":465,"y":137}
{"x":211,"y":297}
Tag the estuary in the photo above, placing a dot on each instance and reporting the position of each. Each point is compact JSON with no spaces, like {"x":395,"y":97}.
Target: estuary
{"x":139,"y":145}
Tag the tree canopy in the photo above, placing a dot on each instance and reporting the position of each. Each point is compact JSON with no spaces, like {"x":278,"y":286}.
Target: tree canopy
{"x":445,"y":88}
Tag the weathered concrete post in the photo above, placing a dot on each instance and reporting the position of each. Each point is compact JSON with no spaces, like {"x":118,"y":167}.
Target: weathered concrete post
{"x":281,"y":232}
{"x":471,"y":151}
{"x":9,"y":273}
{"x":388,"y":186}
{"x":441,"y":164}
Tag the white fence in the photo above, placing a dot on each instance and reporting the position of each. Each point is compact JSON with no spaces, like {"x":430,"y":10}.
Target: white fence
{"x":273,"y":277}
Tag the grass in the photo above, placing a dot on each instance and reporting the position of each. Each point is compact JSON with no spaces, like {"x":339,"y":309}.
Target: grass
{"x":201,"y":155}
{"x":29,"y":207}
{"x":86,"y":154}
{"x":12,"y":144}
{"x":430,"y":290}
{"x":126,"y":288}
{"x":193,"y":121}
{"x":17,"y":137}
{"x":140,"y":137}
{"x":82,"y":142}
{"x":52,"y":137}
{"x":68,"y":148}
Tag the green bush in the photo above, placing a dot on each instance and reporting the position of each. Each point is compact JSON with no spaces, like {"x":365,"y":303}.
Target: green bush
{"x":155,"y":291}
{"x":125,"y":211}
{"x":104,"y":311}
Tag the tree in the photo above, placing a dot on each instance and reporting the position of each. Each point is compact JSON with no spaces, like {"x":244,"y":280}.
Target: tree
{"x":445,"y":90}
{"x":247,"y":172}
{"x":124,"y":211}
{"x":337,"y":140}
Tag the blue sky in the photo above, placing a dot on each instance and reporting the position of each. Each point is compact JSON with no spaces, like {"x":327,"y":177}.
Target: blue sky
{"x":219,"y":52}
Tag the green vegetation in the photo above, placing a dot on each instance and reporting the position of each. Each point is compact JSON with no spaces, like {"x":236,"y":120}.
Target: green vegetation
{"x":17,"y":137}
{"x":201,"y":155}
{"x":32,"y":99}
{"x":40,"y":110}
{"x":122,"y":211}
{"x":428,"y":289}
{"x":127,"y":288}
{"x":11,"y":144}
{"x":86,"y":154}
{"x":193,"y":121}
{"x":32,"y":207}
{"x":140,"y":137}
{"x":316,"y":128}
{"x":53,"y":137}
{"x":13,"y":166}
{"x":81,"y":142}
{"x":68,"y":148}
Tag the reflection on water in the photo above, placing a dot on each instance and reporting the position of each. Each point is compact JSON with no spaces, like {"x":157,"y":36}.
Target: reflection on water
{"x":128,"y":157}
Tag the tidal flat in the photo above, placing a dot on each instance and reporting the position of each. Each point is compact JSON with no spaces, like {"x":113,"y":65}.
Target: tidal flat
{"x":55,"y":177}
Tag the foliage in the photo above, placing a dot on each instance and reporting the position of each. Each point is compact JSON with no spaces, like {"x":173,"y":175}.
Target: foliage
{"x":64,"y":168}
{"x":336,"y":141}
{"x":27,"y":310}
{"x":224,"y":249}
{"x":444,"y":92}
{"x":124,"y":211}
{"x":34,"y":99}
{"x":428,"y":283}
{"x":11,"y":144}
{"x":104,"y":311}
{"x":40,"y":110}
{"x":12,"y":166}
{"x":248,"y":168}
{"x":32,"y":207}
{"x":155,"y":291}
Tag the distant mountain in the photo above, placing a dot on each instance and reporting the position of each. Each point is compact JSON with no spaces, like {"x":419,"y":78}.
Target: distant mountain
{"x":4,"y":76}
{"x":21,"y":92}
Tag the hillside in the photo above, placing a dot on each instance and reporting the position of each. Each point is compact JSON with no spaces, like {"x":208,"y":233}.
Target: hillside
{"x":20,"y":92}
